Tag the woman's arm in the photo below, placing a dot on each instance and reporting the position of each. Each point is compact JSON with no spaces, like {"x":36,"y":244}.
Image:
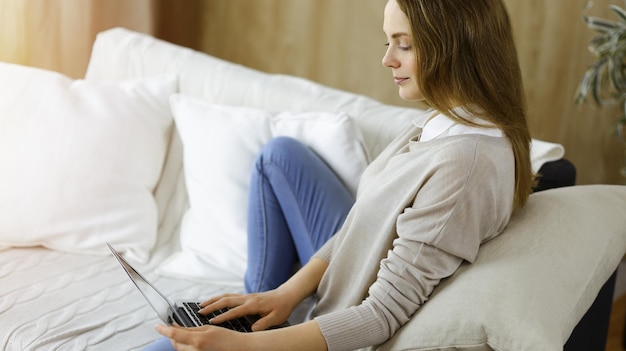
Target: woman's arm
{"x":305,"y":336}
{"x":305,"y":282}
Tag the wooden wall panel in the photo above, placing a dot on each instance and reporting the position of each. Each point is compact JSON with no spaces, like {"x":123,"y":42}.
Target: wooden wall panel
{"x":58,"y":35}
{"x":340,"y":44}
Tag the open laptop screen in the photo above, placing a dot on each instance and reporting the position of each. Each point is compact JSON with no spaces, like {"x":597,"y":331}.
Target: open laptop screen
{"x":161,"y":305}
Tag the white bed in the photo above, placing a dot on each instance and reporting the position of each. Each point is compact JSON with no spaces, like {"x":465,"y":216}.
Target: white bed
{"x":58,"y":301}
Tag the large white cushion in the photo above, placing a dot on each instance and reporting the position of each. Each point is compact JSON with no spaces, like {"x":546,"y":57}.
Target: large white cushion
{"x":531,"y":285}
{"x":80,"y":160}
{"x":220,"y":144}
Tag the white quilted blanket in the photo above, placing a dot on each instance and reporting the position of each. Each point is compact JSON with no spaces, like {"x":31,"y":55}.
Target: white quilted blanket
{"x":90,"y":303}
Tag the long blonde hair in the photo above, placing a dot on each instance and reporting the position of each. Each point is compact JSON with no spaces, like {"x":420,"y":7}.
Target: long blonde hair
{"x":466,"y":57}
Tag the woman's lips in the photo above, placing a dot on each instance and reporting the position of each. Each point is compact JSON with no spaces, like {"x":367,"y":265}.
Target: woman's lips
{"x":399,"y":81}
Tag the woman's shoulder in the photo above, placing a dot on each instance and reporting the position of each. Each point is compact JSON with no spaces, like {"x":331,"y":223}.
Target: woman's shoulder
{"x":464,"y":147}
{"x":466,"y":156}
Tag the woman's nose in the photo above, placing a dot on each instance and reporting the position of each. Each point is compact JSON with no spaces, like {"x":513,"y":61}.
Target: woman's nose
{"x":389,"y":61}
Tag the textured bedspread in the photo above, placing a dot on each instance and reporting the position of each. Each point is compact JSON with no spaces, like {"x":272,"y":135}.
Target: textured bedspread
{"x":56,"y":301}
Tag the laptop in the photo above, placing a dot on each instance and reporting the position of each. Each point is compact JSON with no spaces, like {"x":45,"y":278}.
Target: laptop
{"x":183,"y":313}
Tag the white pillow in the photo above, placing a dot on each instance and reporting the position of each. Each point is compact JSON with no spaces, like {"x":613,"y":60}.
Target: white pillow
{"x":542,"y":152}
{"x":220,"y":145}
{"x":80,"y":160}
{"x":531,"y":285}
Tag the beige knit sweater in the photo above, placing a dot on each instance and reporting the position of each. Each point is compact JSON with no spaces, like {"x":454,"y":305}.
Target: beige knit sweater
{"x":421,"y":209}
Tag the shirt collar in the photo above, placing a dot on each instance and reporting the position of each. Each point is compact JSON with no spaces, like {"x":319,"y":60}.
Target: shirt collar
{"x":434,"y":126}
{"x":437,"y":124}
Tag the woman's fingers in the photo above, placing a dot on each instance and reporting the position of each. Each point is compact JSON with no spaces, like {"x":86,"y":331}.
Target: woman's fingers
{"x":224,"y":301}
{"x":232,"y":313}
{"x":230,"y":301}
{"x":217,"y":298}
{"x":266,"y":322}
{"x":238,"y":306}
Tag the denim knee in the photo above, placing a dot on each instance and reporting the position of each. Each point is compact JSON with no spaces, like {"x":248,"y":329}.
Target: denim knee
{"x":280,"y":147}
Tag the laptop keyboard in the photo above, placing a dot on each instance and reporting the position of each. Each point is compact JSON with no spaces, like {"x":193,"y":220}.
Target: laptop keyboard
{"x":238,"y":324}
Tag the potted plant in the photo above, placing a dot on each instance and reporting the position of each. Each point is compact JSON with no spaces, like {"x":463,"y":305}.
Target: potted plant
{"x":605,"y":79}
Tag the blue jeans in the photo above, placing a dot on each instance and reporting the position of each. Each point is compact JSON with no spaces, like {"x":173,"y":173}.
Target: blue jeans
{"x":161,"y":344}
{"x":296,"y":204}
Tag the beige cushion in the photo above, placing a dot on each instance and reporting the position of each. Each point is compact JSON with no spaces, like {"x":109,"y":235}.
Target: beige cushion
{"x":531,"y":285}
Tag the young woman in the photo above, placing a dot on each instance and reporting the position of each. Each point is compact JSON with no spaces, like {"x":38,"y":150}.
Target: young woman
{"x":424,"y":206}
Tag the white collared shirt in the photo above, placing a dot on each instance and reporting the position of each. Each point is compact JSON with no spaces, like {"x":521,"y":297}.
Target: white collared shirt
{"x":441,"y":126}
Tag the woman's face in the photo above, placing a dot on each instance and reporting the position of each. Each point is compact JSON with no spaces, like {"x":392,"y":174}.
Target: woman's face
{"x":400,"y":55}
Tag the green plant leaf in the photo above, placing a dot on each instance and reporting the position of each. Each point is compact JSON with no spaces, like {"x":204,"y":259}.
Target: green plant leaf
{"x":587,"y":82}
{"x":620,"y":13}
{"x":596,"y":84}
{"x":603,"y":49}
{"x":584,"y":86}
{"x":604,"y":81}
{"x":590,"y":83}
{"x":600,"y":43}
{"x":599,"y":24}
{"x":616,"y":71}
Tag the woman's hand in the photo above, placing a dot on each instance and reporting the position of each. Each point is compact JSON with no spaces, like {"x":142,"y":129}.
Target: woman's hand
{"x":205,"y":338}
{"x":274,"y":307}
